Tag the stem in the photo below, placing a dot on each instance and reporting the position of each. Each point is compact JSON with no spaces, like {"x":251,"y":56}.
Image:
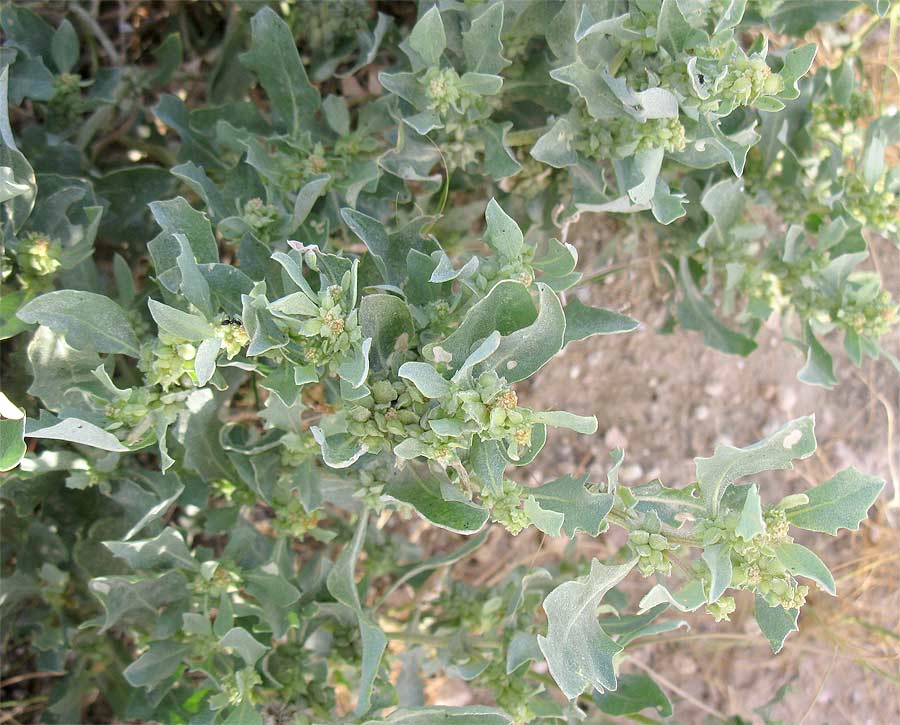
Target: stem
{"x":85,"y":17}
{"x":617,"y":61}
{"x":622,"y":518}
{"x":525,"y":137}
{"x":860,"y":35}
{"x":436,"y":641}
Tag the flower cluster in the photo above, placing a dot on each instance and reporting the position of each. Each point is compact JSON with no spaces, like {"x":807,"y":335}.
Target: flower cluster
{"x":624,"y":137}
{"x":756,"y":564}
{"x":37,"y":256}
{"x":506,"y":506}
{"x":169,"y":362}
{"x":234,"y":337}
{"x":652,"y":549}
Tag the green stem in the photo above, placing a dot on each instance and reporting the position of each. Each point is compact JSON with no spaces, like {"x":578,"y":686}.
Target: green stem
{"x":617,"y":61}
{"x":525,"y":136}
{"x":435,"y":641}
{"x":623,"y":518}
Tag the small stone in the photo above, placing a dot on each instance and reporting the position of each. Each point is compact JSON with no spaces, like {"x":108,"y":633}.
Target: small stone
{"x":714,"y":390}
{"x":631,"y":472}
{"x":788,"y":399}
{"x":615,"y":438}
{"x":701,"y":412}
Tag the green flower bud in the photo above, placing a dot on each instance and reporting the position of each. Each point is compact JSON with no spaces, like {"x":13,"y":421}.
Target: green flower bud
{"x":722,"y":608}
{"x":38,"y":256}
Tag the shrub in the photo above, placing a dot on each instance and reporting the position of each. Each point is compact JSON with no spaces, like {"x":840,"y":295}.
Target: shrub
{"x":222,"y":401}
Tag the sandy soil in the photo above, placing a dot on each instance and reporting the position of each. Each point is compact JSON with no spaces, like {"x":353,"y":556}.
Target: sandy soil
{"x":667,"y":399}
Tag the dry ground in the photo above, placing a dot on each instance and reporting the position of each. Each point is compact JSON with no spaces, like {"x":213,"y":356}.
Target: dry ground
{"x":667,"y":399}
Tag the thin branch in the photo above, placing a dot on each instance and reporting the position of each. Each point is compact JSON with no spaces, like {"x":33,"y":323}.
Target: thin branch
{"x":669,"y":685}
{"x":85,"y":17}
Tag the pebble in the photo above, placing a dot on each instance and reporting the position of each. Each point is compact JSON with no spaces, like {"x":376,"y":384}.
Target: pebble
{"x":714,"y":390}
{"x":701,"y":412}
{"x":788,"y":399}
{"x":630,"y":473}
{"x":615,"y":438}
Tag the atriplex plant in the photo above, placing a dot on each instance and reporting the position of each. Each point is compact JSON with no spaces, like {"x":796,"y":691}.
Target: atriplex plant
{"x":192,"y":532}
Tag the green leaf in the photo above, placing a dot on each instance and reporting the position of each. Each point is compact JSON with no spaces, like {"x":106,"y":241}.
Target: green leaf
{"x":88,"y":321}
{"x":165,"y":551}
{"x":776,"y":623}
{"x":612,"y":474}
{"x":161,"y":660}
{"x":751,"y":523}
{"x":583,"y":321}
{"x":694,"y":313}
{"x":244,"y":644}
{"x":466,"y":715}
{"x":634,"y":693}
{"x":75,"y":430}
{"x":506,"y":308}
{"x":180,"y":324}
{"x":64,"y":47}
{"x":387,"y":320}
{"x":61,"y":375}
{"x":338,"y":451}
{"x":499,"y":160}
{"x":602,"y":103}
{"x":389,"y":250}
{"x":421,"y":489}
{"x":687,"y":599}
{"x":577,"y":650}
{"x":18,"y":207}
{"x":502,"y":233}
{"x":668,"y":503}
{"x":544,"y":520}
{"x":355,"y":368}
{"x":523,"y":352}
{"x":427,"y":380}
{"x":131,"y":595}
{"x":523,"y":647}
{"x":244,"y":713}
{"x":275,"y":595}
{"x":12,"y":434}
{"x":797,"y":63}
{"x":802,"y":562}
{"x":274,"y":58}
{"x":12,"y":443}
{"x":842,"y":502}
{"x":795,"y":440}
{"x":295,"y":304}
{"x":427,"y":37}
{"x":554,"y":148}
{"x":488,"y":347}
{"x":672,"y":29}
{"x":584,"y":424}
{"x":819,"y":367}
{"x":9,"y":187}
{"x":718,"y":559}
{"x":481,"y":42}
{"x":341,"y":583}
{"x":205,"y":359}
{"x":196,"y":178}
{"x":582,"y":509}
{"x":194,"y":286}
{"x":487,"y":462}
{"x":176,"y":216}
